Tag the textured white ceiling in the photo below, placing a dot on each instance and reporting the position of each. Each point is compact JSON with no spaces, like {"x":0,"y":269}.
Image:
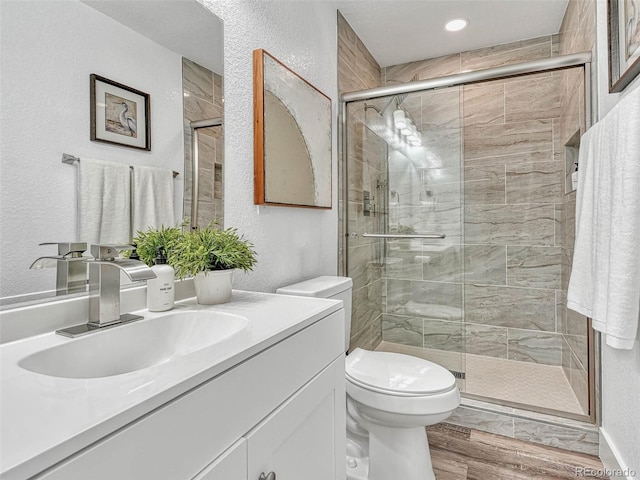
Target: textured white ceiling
{"x":394,"y":31}
{"x":400,"y":31}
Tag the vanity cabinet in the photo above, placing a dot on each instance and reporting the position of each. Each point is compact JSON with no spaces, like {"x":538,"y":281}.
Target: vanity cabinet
{"x":281,"y":410}
{"x":299,"y":440}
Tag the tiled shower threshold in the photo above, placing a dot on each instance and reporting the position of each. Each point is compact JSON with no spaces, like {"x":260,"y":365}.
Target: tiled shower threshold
{"x":540,"y":428}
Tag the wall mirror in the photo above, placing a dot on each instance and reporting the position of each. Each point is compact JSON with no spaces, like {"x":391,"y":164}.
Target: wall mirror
{"x":171,"y":49}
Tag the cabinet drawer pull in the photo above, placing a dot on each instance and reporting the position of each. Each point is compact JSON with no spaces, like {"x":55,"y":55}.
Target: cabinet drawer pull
{"x":268,"y":476}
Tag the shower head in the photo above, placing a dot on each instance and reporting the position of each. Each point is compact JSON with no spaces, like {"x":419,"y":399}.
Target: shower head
{"x":402,"y":97}
{"x":397,"y":99}
{"x":367,"y":107}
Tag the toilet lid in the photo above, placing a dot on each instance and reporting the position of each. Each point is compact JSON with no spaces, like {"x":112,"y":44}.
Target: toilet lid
{"x":394,"y":372}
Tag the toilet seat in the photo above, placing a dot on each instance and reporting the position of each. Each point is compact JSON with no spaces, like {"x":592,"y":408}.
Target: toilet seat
{"x":397,"y":374}
{"x":394,"y":393}
{"x":431,"y":404}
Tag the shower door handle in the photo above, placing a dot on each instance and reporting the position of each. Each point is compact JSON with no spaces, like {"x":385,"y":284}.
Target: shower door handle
{"x":399,"y":235}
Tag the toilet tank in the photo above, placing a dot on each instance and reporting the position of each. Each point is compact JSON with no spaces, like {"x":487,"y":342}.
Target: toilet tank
{"x":336,"y":288}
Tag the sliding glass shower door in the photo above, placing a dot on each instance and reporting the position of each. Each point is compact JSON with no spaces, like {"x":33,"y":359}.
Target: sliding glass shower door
{"x":404,"y":222}
{"x":459,"y":235}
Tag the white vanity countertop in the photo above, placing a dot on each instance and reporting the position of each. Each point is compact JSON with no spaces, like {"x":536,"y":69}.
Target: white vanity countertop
{"x":44,"y":419}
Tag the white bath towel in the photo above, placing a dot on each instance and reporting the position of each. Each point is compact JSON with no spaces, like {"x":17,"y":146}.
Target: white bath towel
{"x":152,"y":198}
{"x":104,"y":202}
{"x":605,"y":277}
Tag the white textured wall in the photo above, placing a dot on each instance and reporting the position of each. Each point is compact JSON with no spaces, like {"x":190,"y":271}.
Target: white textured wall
{"x":621,"y":404}
{"x":292,"y":243}
{"x":620,"y":368}
{"x":49,"y":49}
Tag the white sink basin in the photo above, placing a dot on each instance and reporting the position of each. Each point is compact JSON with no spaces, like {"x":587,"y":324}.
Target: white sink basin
{"x":135,"y":346}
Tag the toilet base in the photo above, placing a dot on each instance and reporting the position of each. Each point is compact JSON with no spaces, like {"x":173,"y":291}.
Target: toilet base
{"x":401,"y":453}
{"x":357,"y":468}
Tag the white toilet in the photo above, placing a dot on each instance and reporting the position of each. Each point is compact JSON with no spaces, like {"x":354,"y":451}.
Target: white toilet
{"x":391,"y":398}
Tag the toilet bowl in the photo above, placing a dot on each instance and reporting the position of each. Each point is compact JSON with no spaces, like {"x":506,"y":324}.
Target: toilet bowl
{"x":394,"y":397}
{"x":391,"y":398}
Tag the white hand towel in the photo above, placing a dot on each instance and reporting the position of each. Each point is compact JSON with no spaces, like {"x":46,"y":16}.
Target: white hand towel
{"x":152,"y":198}
{"x":104,"y":202}
{"x":583,"y":276}
{"x":605,"y":277}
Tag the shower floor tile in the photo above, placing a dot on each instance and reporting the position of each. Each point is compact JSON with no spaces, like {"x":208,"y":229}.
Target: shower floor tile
{"x":526,"y":383}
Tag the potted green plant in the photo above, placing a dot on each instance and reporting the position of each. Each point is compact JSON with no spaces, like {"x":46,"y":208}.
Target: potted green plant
{"x":211,"y":255}
{"x":148,"y":242}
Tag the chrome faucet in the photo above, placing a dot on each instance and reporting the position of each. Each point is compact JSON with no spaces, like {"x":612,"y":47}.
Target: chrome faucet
{"x":104,"y":288}
{"x":71,"y":270}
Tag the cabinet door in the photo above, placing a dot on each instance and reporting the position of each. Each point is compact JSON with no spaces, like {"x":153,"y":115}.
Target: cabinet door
{"x":304,"y":438}
{"x":231,"y":465}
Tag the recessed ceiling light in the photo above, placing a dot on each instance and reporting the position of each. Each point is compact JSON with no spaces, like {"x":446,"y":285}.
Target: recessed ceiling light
{"x":456,"y":24}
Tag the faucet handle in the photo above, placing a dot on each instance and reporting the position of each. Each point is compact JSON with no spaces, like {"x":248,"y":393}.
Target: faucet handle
{"x":73,"y":249}
{"x":108,"y":252}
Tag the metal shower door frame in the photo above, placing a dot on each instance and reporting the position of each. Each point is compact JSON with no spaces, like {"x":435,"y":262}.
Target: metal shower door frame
{"x":195,"y":163}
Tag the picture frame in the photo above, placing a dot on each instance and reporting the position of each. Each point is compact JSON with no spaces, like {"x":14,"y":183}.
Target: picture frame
{"x":624,"y":43}
{"x":119,"y":114}
{"x":292,"y":137}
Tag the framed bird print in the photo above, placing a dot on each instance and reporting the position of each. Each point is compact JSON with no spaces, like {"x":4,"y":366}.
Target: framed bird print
{"x":119,"y":114}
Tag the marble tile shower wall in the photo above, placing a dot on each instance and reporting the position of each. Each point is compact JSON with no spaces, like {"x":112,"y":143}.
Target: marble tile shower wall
{"x":358,"y":70}
{"x":508,"y":276}
{"x":203,"y":100}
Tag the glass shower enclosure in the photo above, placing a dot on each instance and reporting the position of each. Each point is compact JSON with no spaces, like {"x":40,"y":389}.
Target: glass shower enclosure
{"x":455,"y":232}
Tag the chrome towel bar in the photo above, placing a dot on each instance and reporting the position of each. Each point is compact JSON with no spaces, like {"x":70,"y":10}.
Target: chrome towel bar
{"x":399,"y":235}
{"x":70,"y":160}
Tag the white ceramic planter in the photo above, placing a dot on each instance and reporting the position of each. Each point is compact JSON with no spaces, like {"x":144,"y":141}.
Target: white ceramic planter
{"x":214,"y":287}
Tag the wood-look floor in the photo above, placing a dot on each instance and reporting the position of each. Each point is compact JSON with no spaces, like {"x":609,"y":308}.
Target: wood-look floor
{"x":460,"y":453}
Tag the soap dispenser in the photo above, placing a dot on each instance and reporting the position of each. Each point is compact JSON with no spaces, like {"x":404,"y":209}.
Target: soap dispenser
{"x":160,"y":290}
